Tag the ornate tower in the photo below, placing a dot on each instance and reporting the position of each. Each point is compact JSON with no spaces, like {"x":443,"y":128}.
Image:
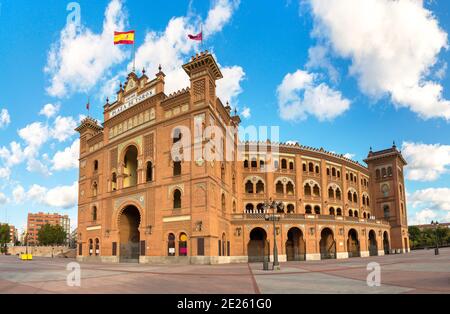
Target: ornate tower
{"x":387,"y":187}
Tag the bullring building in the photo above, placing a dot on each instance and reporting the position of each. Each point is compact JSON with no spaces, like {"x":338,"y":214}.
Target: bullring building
{"x":139,"y":203}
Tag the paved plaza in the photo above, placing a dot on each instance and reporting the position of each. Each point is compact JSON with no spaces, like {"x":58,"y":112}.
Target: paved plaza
{"x":416,"y":272}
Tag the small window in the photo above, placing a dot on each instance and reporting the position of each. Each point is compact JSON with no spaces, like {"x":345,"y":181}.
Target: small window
{"x":245,"y":163}
{"x":260,"y":187}
{"x":249,"y":186}
{"x":307,"y":190}
{"x":283,"y":164}
{"x":149,"y":172}
{"x":94,"y":213}
{"x":317,"y":169}
{"x":304,"y":167}
{"x":254,"y":163}
{"x":279,"y":187}
{"x":95,"y":165}
{"x":177,"y":199}
{"x":308,"y":209}
{"x":177,"y":168}
{"x":290,"y":188}
{"x":317,"y":210}
{"x":291,"y":165}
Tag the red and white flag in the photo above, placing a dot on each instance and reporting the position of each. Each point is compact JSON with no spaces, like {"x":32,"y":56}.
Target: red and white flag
{"x":198,"y":37}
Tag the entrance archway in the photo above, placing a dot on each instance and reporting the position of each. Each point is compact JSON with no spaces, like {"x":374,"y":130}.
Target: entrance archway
{"x":353,"y":244}
{"x":373,"y":246}
{"x":327,"y":244}
{"x":129,"y":234}
{"x":386,"y":247}
{"x":295,"y":245}
{"x":257,"y":247}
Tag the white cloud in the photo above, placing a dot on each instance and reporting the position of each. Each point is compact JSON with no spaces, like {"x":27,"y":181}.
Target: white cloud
{"x":5,"y":173}
{"x":19,"y":194}
{"x":219,"y":15}
{"x":68,"y":158}
{"x":432,"y":198}
{"x":58,"y":197}
{"x":5,"y":119}
{"x":426,"y":162}
{"x":35,"y":165}
{"x":318,"y":58}
{"x":80,"y":58}
{"x":300,"y":96}
{"x":349,"y":155}
{"x":34,"y":134}
{"x":229,"y":87}
{"x":170,"y":47}
{"x":49,"y":110}
{"x":423,"y":217}
{"x":246,"y":113}
{"x":12,"y":156}
{"x":63,"y":128}
{"x":392,"y":45}
{"x":3,"y":199}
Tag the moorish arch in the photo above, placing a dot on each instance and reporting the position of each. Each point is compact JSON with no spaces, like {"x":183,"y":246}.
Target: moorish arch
{"x":353,"y":247}
{"x":130,"y":166}
{"x":128,"y":222}
{"x":295,"y":245}
{"x":257,"y":247}
{"x":373,"y":245}
{"x":327,"y":244}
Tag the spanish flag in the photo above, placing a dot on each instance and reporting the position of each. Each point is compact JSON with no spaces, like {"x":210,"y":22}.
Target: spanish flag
{"x":124,"y":38}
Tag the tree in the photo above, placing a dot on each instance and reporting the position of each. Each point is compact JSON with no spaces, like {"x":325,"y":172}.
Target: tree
{"x":4,"y":237}
{"x":52,"y":235}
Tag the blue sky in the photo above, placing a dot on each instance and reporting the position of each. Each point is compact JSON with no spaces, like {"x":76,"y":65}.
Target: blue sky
{"x":343,"y":75}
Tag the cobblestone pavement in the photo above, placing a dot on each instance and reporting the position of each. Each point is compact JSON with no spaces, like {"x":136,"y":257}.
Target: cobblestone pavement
{"x":416,"y":272}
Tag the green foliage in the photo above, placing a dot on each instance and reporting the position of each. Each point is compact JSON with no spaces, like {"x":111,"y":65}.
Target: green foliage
{"x":4,"y":237}
{"x":52,"y":235}
{"x":427,"y":237}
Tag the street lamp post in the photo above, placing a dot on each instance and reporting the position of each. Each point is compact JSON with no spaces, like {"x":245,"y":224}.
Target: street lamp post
{"x":274,"y":205}
{"x":436,"y":225}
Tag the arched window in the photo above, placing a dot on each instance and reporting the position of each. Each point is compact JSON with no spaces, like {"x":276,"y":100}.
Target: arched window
{"x":275,"y":164}
{"x":307,"y":189}
{"x":308,"y":209}
{"x":283,"y":164}
{"x":331,"y":193}
{"x":304,"y":167}
{"x":290,"y":188}
{"x":114,"y":181}
{"x":290,"y":209}
{"x":355,"y":213}
{"x":316,"y":190}
{"x":338,"y":174}
{"x":182,"y":245}
{"x":328,"y":171}
{"x":223,"y":203}
{"x":338,"y":194}
{"x":177,"y":199}
{"x":351,"y":176}
{"x":176,"y":137}
{"x":363,"y":200}
{"x":234,"y":206}
{"x":355,"y":197}
{"x":246,"y":163}
{"x":346,"y":176}
{"x":260,"y":208}
{"x":171,"y":244}
{"x":338,"y":212}
{"x":377,"y":174}
{"x":386,"y":211}
{"x":249,"y":187}
{"x":149,"y":172}
{"x":311,"y":167}
{"x":291,"y":165}
{"x":317,"y":210}
{"x":254,"y":163}
{"x":261,"y":164}
{"x":94,"y":189}
{"x":91,"y":247}
{"x":332,"y":211}
{"x":95,"y":165}
{"x":279,"y":187}
{"x":383,"y":172}
{"x":389,"y":171}
{"x":177,"y":168}
{"x":249,"y":208}
{"x":97,"y":247}
{"x":260,"y":187}
{"x":333,"y":172}
{"x":349,"y":196}
{"x":364,"y":215}
{"x":130,"y":167}
{"x":317,"y":169}
{"x":94,"y":213}
{"x":350,"y":213}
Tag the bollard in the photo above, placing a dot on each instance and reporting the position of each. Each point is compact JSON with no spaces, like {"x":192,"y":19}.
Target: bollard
{"x":436,"y":251}
{"x":265,"y":263}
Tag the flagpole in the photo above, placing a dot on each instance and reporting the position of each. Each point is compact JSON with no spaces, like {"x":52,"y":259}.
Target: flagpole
{"x":134,"y":56}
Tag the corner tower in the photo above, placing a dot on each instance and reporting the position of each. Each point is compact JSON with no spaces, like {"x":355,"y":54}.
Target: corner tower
{"x":387,"y":186}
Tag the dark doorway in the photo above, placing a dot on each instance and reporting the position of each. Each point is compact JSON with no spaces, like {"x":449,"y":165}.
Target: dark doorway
{"x":129,"y":234}
{"x":386,"y":247}
{"x":373,"y":247}
{"x":295,"y":245}
{"x":257,"y":247}
{"x":327,"y":244}
{"x":353,"y":244}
